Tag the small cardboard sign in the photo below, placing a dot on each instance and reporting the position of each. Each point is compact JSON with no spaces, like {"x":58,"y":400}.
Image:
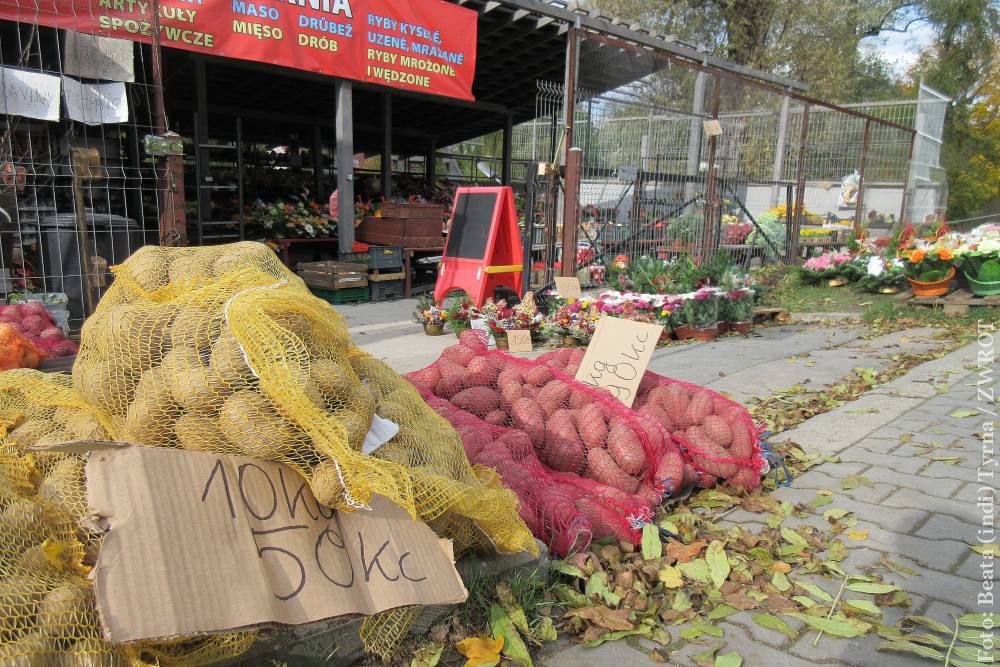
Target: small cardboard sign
{"x":618,"y":355}
{"x":203,"y":542}
{"x":519,"y":340}
{"x":569,"y":288}
{"x":713,"y":128}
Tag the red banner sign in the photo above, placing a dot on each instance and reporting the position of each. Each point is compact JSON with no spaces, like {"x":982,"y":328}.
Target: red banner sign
{"x":422,"y":45}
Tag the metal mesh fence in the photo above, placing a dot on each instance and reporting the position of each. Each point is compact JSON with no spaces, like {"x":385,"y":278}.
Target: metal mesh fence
{"x":61,"y":226}
{"x":780,"y":176}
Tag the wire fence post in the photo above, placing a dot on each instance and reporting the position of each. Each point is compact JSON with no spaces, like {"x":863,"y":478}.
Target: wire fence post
{"x":712,"y":201}
{"x":906,"y":182}
{"x":792,"y":251}
{"x":572,"y":175}
{"x":779,"y":148}
{"x":859,"y":208}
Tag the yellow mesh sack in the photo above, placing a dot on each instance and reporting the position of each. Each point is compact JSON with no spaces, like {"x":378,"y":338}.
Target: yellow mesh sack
{"x":223,"y":349}
{"x":47,"y":608}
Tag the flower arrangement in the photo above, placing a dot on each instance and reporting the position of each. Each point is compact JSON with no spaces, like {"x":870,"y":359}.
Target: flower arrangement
{"x":501,"y":317}
{"x":577,"y":319}
{"x":737,"y":305}
{"x":928,"y":264}
{"x":979,"y":254}
{"x":291,"y":220}
{"x":428,"y":312}
{"x":827,"y":266}
{"x":883,"y":277}
{"x":702,"y":308}
{"x":736,"y":233}
{"x":459,"y":314}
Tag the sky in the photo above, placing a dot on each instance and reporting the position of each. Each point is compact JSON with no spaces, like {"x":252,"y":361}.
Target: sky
{"x":901,"y":49}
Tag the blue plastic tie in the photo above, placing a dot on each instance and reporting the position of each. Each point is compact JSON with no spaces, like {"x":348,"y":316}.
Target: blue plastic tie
{"x":774,"y":460}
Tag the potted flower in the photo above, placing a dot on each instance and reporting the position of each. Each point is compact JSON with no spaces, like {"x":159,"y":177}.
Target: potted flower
{"x":430,"y":316}
{"x":459,"y":314}
{"x":737,"y":309}
{"x":702,"y":312}
{"x":979,"y":254}
{"x":828,"y":269}
{"x":883,"y":278}
{"x":929,"y":270}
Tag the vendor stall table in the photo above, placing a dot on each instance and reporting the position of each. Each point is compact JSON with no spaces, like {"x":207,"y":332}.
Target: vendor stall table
{"x":285,"y":245}
{"x":408,"y":289}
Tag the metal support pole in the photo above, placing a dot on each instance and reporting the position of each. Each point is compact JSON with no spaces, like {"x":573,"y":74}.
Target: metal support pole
{"x":319,"y":183}
{"x":430,"y":166}
{"x":508,"y":138}
{"x":571,"y":211}
{"x":779,"y":149}
{"x":907,"y":188}
{"x":859,"y":208}
{"x":712,"y":201}
{"x":386,"y":146}
{"x":527,"y":235}
{"x":792,"y":251}
{"x":694,"y":136}
{"x":572,"y":176}
{"x":344,"y":128}
{"x":200,"y":150}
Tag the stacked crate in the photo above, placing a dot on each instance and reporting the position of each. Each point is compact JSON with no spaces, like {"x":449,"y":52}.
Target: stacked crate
{"x":336,"y":282}
{"x":386,"y":276}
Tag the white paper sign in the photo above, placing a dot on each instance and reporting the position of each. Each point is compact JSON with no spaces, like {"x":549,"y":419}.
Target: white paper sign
{"x":29,"y":94}
{"x":95,"y":103}
{"x":480,"y":325}
{"x":97,"y":57}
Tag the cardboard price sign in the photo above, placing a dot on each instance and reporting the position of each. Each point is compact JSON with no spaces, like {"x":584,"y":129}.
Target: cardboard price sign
{"x":519,"y":340}
{"x":219,"y":542}
{"x":569,"y":288}
{"x":618,"y":355}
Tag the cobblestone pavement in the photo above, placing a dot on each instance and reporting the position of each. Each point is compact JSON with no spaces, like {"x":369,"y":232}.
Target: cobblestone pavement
{"x":919,"y":513}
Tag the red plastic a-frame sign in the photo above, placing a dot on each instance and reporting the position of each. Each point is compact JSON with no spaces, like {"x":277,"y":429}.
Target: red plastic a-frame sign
{"x":483,"y":248}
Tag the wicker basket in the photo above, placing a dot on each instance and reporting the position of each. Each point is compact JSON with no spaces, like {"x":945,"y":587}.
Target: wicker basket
{"x":936,"y":288}
{"x":980,"y":288}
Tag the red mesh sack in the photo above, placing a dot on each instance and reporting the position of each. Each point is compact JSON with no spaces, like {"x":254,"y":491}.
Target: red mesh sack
{"x":600,"y":454}
{"x":546,"y":505}
{"x":716,"y":435}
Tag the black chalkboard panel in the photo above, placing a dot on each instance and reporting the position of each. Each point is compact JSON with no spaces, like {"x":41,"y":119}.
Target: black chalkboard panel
{"x":470,"y":228}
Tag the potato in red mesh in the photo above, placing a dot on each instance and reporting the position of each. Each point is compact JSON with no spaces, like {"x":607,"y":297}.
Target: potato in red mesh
{"x":625,"y":446}
{"x":718,"y":430}
{"x":706,"y":455}
{"x":602,"y":468}
{"x":670,"y":471}
{"x":553,"y":396}
{"x":538,"y":375}
{"x":493,"y":454}
{"x":460,"y":354}
{"x":510,"y":394}
{"x":556,"y":358}
{"x":518,"y":444}
{"x":700,"y":406}
{"x":579,"y":398}
{"x":649,"y":495}
{"x":742,"y":444}
{"x":592,"y":426}
{"x":427,"y":377}
{"x":676,"y":405}
{"x":603,"y":521}
{"x":482,"y":371}
{"x":510,"y":376}
{"x":448,"y":386}
{"x":659,"y":414}
{"x":474,"y":439}
{"x":480,"y":401}
{"x":496,"y":417}
{"x":744,"y":479}
{"x":528,"y":417}
{"x":563,"y":447}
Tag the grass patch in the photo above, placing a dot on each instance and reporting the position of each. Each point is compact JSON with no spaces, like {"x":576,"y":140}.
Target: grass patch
{"x":782,"y":287}
{"x":530,"y":590}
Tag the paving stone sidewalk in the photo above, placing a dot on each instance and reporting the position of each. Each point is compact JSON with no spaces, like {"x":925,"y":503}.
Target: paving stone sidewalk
{"x":919,"y":513}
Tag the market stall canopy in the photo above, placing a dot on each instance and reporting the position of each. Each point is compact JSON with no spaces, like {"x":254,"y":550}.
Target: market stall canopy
{"x":519,"y":43}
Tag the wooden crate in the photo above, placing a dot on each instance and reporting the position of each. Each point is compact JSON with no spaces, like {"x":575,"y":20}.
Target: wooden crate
{"x":333,"y":275}
{"x":956,"y":303}
{"x":377,"y":276}
{"x":416,"y":210}
{"x":407,"y":232}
